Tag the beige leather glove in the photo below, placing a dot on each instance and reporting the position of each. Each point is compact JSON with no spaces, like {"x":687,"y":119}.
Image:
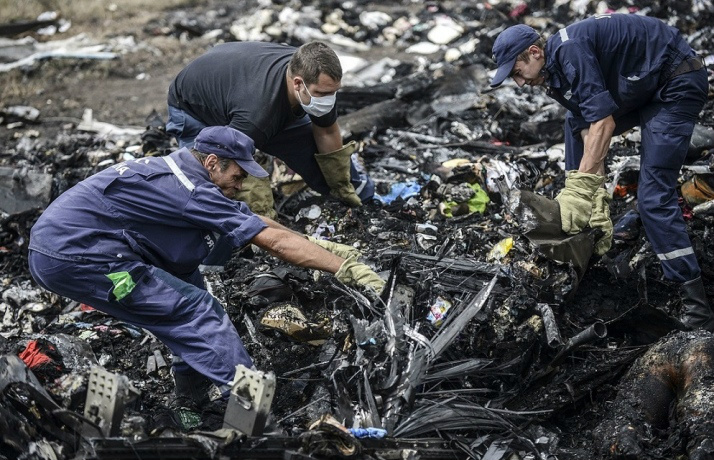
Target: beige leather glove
{"x":337,"y":249}
{"x":257,"y":194}
{"x":576,"y":200}
{"x":335,"y":166}
{"x":600,"y":218}
{"x":356,"y":273}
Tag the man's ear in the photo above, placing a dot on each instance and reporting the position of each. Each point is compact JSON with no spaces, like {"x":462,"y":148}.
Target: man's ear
{"x":535,"y":52}
{"x":296,"y":80}
{"x":211,"y":161}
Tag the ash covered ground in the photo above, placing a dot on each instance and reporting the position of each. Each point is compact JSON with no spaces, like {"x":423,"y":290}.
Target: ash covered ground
{"x":429,"y":129}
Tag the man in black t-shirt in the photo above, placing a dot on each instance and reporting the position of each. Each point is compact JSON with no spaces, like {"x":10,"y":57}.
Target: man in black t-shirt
{"x":280,"y":96}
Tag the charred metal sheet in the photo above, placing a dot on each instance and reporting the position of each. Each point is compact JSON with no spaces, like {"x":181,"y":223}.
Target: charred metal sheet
{"x":249,"y":403}
{"x":38,"y":413}
{"x":266,"y":448}
{"x":540,"y":218}
{"x":453,"y":369}
{"x":23,"y":190}
{"x":107,"y":396}
{"x":458,"y":319}
{"x":538,"y":215}
{"x":14,"y":370}
{"x":464,"y":264}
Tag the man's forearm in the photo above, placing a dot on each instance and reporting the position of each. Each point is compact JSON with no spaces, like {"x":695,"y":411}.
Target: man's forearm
{"x":273,"y":224}
{"x":597,"y":143}
{"x":327,"y":139}
{"x":294,"y":248}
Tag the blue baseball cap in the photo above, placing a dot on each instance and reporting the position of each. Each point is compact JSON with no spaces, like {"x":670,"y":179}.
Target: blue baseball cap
{"x":508,"y":45}
{"x":227,"y":142}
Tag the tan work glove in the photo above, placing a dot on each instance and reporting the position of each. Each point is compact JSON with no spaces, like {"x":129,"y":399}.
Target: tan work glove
{"x":576,"y":200}
{"x":356,"y":273}
{"x":600,"y":218}
{"x":337,"y":249}
{"x":335,"y":166}
{"x":257,"y":194}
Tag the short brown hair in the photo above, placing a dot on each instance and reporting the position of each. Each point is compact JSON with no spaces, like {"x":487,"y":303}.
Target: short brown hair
{"x":312,"y":59}
{"x":222,"y":162}
{"x":540,"y":43}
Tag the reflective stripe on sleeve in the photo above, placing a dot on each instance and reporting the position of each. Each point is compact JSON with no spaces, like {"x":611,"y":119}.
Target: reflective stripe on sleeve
{"x":563,"y":35}
{"x":177,"y":171}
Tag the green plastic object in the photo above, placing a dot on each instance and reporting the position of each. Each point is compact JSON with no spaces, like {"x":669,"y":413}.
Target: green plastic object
{"x":123,"y":284}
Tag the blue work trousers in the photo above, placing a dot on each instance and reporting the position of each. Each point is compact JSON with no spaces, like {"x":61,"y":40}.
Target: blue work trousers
{"x":666,"y":123}
{"x":295,"y":146}
{"x":179,"y":312}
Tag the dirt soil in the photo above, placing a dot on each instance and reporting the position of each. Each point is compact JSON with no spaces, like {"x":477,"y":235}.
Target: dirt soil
{"x":63,"y":89}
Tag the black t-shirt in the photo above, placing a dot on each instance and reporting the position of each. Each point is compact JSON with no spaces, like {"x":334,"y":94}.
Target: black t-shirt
{"x":241,"y":84}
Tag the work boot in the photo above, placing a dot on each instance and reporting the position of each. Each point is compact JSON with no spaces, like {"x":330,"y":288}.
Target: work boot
{"x":213,"y":414}
{"x":695,"y":312}
{"x":193,"y":386}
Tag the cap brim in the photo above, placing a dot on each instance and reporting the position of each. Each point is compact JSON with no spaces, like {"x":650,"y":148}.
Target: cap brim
{"x":503,"y":72}
{"x":252,"y":168}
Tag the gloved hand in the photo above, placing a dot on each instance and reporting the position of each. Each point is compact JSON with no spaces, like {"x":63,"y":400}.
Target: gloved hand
{"x":576,"y":200}
{"x":335,"y":166}
{"x":600,"y":218}
{"x":258,"y":195}
{"x":356,"y":273}
{"x":337,"y":249}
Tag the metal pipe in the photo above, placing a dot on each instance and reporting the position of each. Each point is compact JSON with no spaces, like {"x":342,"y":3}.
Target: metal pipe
{"x":596,"y":330}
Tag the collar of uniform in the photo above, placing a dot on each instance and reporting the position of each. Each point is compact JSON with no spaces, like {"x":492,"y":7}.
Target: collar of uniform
{"x":189,"y":164}
{"x":553,"y":77}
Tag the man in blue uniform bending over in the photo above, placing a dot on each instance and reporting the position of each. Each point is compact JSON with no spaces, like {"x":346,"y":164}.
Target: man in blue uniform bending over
{"x":281,"y":97}
{"x":129,"y":240}
{"x":614,"y":72}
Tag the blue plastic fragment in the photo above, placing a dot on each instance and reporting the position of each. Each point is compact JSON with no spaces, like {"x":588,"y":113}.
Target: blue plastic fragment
{"x":377,"y":433}
{"x":404,"y":190}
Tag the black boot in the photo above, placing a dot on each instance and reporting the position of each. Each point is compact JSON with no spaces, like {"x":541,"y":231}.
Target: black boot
{"x":695,"y":312}
{"x":192,"y":386}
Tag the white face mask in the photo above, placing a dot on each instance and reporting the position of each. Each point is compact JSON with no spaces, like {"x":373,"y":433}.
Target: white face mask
{"x":318,"y":106}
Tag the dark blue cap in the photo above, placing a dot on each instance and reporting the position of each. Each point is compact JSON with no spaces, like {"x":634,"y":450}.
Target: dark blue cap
{"x":508,"y":45}
{"x":227,"y":142}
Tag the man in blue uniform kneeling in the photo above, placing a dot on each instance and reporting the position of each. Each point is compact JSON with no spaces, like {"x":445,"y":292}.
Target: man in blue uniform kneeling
{"x":129,"y":240}
{"x":614,"y":72}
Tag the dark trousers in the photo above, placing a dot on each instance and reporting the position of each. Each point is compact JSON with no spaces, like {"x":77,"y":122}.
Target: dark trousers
{"x":179,"y":312}
{"x":666,"y":123}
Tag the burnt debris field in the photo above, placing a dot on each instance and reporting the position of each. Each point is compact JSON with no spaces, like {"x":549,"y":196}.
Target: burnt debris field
{"x":494,"y":339}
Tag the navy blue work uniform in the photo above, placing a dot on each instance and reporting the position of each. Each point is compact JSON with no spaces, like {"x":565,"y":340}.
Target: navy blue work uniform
{"x":128,"y":241}
{"x":242,"y":85}
{"x":643,"y":73}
